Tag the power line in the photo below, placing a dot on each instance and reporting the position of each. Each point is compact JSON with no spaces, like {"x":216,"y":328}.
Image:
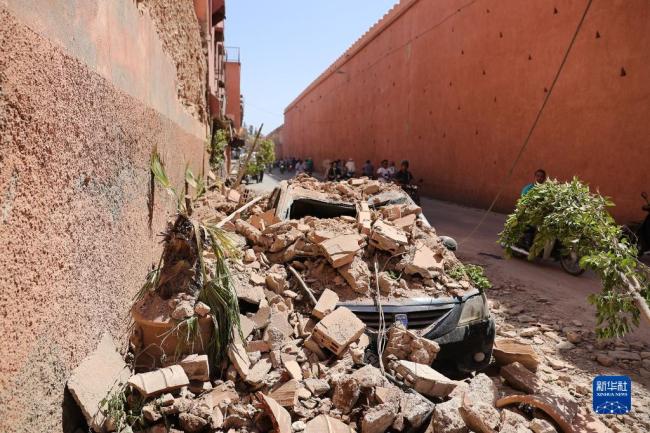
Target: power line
{"x":248,"y":104}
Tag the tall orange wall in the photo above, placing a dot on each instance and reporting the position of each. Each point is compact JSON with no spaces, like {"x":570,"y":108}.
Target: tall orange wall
{"x":454,"y":86}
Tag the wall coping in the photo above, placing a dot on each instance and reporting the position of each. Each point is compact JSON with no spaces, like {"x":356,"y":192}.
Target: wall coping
{"x":370,"y":35}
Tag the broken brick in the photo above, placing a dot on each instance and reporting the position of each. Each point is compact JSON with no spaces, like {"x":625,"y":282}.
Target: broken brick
{"x":405,"y":222}
{"x":196,"y":367}
{"x":280,"y":418}
{"x":326,"y":304}
{"x":507,"y":351}
{"x":520,"y":378}
{"x":341,"y":249}
{"x":286,"y":394}
{"x":258,"y":346}
{"x":425,"y":379}
{"x":378,"y":419}
{"x":327,"y":424}
{"x":425,"y":262}
{"x":404,"y":344}
{"x":95,"y":377}
{"x":480,"y":417}
{"x":346,"y":392}
{"x":357,"y":275}
{"x":446,"y":418}
{"x":317,"y":387}
{"x":252,"y":294}
{"x":294,"y":369}
{"x":257,"y":373}
{"x":388,"y":238}
{"x":239,"y":358}
{"x":159,"y":381}
{"x":338,"y":329}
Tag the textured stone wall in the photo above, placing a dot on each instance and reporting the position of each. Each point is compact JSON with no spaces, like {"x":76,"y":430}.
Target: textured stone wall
{"x":454,"y":86}
{"x":180,"y":34}
{"x":77,"y":235}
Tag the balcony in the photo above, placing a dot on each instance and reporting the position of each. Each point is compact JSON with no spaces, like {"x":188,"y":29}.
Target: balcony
{"x":233,"y":54}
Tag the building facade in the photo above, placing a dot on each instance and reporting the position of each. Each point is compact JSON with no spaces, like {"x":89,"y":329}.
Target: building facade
{"x":455,"y":87}
{"x":88,"y":90}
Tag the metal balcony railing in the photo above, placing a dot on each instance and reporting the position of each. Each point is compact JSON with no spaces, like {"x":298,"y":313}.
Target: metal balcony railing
{"x":233,"y":54}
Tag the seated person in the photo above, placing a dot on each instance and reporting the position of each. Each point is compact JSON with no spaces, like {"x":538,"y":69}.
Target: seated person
{"x":333,"y":173}
{"x":383,"y":173}
{"x":404,"y":176}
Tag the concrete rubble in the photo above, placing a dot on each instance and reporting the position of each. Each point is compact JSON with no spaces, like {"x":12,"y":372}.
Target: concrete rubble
{"x":300,"y":367}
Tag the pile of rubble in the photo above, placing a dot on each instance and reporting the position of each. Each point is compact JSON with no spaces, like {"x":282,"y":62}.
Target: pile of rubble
{"x":303,"y":364}
{"x":340,"y":252}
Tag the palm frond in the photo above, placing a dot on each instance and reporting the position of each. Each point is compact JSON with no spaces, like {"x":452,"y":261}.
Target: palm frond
{"x":196,"y":182}
{"x":150,"y":283}
{"x":158,"y":170}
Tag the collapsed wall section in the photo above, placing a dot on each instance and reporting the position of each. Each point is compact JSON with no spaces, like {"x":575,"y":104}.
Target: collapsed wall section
{"x":454,"y":87}
{"x":81,"y":109}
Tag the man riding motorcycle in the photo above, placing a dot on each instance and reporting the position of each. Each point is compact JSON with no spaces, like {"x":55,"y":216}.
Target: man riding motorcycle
{"x":568,"y":259}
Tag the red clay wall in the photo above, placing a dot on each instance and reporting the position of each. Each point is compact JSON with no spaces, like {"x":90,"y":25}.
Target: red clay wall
{"x":455,"y":92}
{"x":80,"y":113}
{"x":233,"y":93}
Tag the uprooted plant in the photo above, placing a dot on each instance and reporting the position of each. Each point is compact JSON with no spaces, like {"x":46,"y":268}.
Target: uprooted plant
{"x":570,"y":213}
{"x":194,"y":261}
{"x":119,"y":414}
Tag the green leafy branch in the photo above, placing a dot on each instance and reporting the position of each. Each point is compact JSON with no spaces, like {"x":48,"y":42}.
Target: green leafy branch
{"x":217,"y":147}
{"x":570,"y":213}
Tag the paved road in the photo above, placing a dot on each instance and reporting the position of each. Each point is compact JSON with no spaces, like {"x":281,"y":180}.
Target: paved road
{"x":269,"y":182}
{"x":568,"y":294}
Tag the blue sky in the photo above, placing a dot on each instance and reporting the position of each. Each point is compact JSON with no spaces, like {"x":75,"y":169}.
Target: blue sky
{"x":286,"y":44}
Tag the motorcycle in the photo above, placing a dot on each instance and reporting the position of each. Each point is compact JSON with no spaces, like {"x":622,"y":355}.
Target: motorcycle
{"x":639,"y":232}
{"x":413,"y":192}
{"x":569,"y":260}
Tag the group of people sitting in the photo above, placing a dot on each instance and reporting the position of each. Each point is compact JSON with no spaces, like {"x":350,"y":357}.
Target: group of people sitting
{"x":294,"y":164}
{"x":386,"y":172}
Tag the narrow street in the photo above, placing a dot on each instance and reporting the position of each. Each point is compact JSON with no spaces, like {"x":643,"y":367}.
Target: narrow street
{"x":149,"y":285}
{"x":540,"y":301}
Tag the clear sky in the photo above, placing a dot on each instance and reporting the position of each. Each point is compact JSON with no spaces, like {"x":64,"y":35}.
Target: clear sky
{"x":286,"y":44}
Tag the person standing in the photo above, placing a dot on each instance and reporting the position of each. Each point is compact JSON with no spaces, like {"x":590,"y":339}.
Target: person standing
{"x":299,"y":166}
{"x":368,"y":170}
{"x":351,"y":167}
{"x":392,"y":169}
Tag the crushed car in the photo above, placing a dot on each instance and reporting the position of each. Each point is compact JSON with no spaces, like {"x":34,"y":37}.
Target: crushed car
{"x":370,"y":243}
